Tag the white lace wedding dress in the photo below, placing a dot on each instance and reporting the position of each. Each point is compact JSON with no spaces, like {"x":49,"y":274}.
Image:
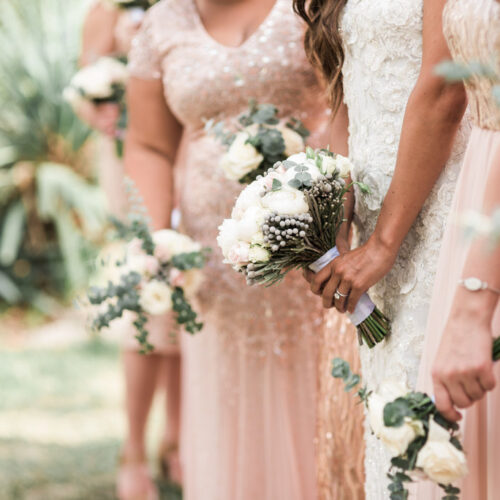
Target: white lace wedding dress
{"x":383,"y":49}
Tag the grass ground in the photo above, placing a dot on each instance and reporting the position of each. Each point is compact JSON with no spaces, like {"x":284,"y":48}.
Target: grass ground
{"x":61,"y":422}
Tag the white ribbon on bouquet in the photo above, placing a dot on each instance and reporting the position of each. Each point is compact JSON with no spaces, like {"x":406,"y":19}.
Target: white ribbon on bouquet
{"x":364,"y":307}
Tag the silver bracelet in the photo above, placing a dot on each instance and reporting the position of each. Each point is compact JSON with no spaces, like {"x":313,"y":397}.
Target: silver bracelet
{"x":475,"y":285}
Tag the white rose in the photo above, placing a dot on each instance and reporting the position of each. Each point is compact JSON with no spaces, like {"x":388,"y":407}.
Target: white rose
{"x":258,"y":254}
{"x":96,"y":80}
{"x":250,"y":224}
{"x":294,"y":143}
{"x":396,"y":439}
{"x":143,"y":264}
{"x":258,"y":238}
{"x":249,"y":197}
{"x":228,"y":236}
{"x":286,"y":201}
{"x":298,"y":158}
{"x":328,"y":165}
{"x":238,"y":255}
{"x":241,"y":158}
{"x":169,"y":243}
{"x":344,"y":165}
{"x":390,"y":390}
{"x":156,"y":298}
{"x":439,"y":459}
{"x":116,"y":71}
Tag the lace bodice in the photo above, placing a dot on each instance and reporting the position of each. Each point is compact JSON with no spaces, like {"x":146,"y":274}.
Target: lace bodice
{"x":383,"y":51}
{"x":472,"y":28}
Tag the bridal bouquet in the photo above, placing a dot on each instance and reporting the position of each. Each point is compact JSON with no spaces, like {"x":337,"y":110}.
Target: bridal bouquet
{"x":260,"y":143}
{"x":422,"y":443}
{"x":157,"y":273}
{"x":288,"y":219}
{"x":98,"y":83}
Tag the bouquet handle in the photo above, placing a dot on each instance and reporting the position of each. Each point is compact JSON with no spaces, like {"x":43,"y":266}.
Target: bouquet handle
{"x":365,"y":305}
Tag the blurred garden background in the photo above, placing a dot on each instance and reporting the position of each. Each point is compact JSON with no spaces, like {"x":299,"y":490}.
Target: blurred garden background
{"x":61,"y":421}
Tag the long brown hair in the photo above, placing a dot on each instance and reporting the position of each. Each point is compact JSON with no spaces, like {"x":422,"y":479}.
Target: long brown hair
{"x":323,"y":43}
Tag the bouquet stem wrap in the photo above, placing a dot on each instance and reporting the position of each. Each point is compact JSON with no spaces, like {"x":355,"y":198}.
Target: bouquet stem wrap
{"x":370,"y":329}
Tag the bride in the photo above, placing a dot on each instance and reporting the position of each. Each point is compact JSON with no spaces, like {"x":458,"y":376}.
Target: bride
{"x":378,"y":57}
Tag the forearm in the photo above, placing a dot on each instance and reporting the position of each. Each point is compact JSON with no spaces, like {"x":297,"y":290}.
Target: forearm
{"x":152,"y":174}
{"x":432,"y":118}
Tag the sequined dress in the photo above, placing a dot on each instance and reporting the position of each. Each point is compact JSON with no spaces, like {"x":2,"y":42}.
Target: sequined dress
{"x":383,"y":51}
{"x":472,"y":29}
{"x":250,"y":376}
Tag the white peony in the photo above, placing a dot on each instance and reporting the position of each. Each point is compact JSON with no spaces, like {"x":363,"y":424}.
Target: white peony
{"x":286,"y":201}
{"x":344,"y":166}
{"x":439,"y":459}
{"x":228,"y":236}
{"x":258,"y":254}
{"x":396,"y":439}
{"x":249,"y":197}
{"x":169,"y":243}
{"x":241,"y":158}
{"x":294,"y":143}
{"x":250,"y":224}
{"x":239,"y":254}
{"x":156,"y":298}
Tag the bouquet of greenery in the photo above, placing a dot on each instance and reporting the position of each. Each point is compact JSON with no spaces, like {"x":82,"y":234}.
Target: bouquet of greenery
{"x":101,"y":82}
{"x":262,"y":141}
{"x":422,"y":443}
{"x":156,"y":273}
{"x":289,"y":219}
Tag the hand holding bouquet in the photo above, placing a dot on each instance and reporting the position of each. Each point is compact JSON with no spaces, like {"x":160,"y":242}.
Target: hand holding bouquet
{"x":99,"y":83}
{"x":262,"y":141}
{"x":422,"y":443}
{"x":159,"y":272}
{"x":289,"y":219}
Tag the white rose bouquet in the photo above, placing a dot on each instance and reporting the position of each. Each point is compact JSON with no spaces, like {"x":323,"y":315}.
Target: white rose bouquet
{"x":289,"y":219}
{"x":158,"y":273}
{"x":98,"y":83}
{"x":422,"y":443}
{"x":260,"y":143}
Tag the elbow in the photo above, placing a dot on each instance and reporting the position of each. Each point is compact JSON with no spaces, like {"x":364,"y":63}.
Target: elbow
{"x":446,"y":102}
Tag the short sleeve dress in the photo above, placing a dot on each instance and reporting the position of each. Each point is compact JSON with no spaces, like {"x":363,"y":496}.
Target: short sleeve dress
{"x":249,"y":377}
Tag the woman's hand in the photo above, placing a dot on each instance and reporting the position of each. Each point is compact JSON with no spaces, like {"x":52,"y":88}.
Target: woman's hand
{"x":101,"y":117}
{"x":463,"y":368}
{"x":352,"y":274}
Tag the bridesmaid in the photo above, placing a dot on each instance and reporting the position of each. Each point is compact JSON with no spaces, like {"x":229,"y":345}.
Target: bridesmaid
{"x":457,"y":365}
{"x":109,"y":31}
{"x":250,"y":377}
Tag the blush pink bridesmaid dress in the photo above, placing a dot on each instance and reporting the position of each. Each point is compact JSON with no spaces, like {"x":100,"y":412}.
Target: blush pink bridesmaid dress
{"x":250,"y":376}
{"x":472,"y":28}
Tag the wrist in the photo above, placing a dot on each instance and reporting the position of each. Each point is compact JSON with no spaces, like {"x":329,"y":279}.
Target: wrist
{"x":477,"y":306}
{"x":385,"y":243}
